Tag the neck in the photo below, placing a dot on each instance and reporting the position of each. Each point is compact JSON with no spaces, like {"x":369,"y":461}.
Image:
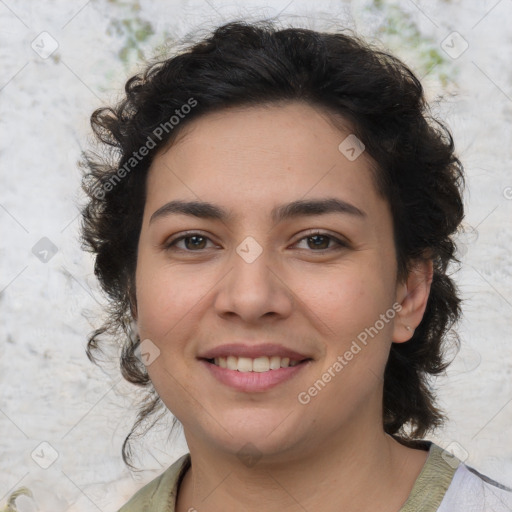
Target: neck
{"x":360,"y":471}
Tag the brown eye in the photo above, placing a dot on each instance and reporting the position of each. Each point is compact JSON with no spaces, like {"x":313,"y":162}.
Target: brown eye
{"x":192,"y":242}
{"x":196,"y":242}
{"x":322,"y":242}
{"x":319,"y":241}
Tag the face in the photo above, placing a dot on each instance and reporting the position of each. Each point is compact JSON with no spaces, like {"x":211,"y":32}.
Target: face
{"x":310,"y":283}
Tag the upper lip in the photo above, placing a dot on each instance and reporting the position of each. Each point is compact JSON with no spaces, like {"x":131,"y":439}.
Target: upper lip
{"x":252,"y":351}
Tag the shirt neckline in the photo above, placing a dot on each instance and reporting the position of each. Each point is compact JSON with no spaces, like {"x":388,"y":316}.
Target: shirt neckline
{"x":433,"y":481}
{"x":426,"y":494}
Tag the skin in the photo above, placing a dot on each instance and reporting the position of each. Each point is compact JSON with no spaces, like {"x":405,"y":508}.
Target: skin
{"x":332,"y":450}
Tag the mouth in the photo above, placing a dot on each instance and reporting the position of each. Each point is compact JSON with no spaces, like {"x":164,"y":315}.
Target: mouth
{"x":258,"y":364}
{"x":254,"y":375}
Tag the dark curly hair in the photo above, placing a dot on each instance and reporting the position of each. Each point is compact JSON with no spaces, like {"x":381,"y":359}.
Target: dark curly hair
{"x":244,"y":64}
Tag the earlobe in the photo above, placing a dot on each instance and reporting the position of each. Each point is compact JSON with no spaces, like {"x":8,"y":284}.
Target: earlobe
{"x":413,"y":297}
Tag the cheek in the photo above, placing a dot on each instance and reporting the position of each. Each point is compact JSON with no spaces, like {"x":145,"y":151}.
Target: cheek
{"x":347,"y":301}
{"x":348,"y":309}
{"x":174,"y":387}
{"x":164,"y":296}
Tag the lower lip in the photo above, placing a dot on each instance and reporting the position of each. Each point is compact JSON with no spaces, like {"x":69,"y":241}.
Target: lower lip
{"x":254,"y":381}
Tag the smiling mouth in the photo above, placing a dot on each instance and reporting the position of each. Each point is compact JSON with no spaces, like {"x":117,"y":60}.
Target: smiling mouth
{"x":258,"y":364}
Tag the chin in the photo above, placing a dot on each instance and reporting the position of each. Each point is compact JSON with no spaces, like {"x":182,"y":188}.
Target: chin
{"x":255,"y":432}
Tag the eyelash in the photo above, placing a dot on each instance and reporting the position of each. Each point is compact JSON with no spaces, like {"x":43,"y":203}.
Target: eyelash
{"x":341,"y":245}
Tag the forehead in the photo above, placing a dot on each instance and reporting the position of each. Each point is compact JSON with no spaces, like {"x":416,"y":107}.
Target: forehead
{"x":252,"y":156}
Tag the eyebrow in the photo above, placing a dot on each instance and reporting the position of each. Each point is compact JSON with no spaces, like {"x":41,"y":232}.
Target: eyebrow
{"x":299,"y":208}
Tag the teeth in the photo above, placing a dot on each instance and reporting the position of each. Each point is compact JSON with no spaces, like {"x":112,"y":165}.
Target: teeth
{"x":244,"y":364}
{"x":275,"y":363}
{"x":259,"y":364}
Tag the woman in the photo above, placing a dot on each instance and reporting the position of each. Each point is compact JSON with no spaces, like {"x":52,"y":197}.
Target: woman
{"x":274,"y":229}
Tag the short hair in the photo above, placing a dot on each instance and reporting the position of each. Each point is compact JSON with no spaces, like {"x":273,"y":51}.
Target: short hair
{"x":251,"y":64}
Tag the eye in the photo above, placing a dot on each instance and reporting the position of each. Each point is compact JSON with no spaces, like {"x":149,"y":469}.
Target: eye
{"x":193,"y":242}
{"x":320,"y":241}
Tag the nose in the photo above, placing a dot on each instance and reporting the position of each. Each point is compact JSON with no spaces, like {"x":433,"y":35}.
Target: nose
{"x":254,"y":289}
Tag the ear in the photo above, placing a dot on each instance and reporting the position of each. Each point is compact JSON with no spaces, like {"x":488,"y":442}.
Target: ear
{"x":134,"y":328}
{"x":412,"y":295}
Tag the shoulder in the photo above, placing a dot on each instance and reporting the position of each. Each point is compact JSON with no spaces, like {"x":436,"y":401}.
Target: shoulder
{"x":446,"y":484}
{"x":470,"y":491}
{"x":159,"y":495}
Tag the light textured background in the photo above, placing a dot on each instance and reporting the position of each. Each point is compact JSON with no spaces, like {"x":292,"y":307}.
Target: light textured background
{"x":50,"y":392}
